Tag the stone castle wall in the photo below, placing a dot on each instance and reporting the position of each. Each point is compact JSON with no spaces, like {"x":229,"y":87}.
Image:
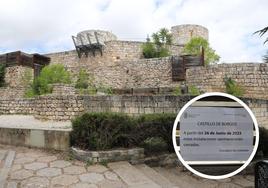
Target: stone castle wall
{"x":61,"y":108}
{"x":182,"y":34}
{"x":121,"y":66}
{"x":14,"y":76}
{"x":15,"y":80}
{"x":252,"y":77}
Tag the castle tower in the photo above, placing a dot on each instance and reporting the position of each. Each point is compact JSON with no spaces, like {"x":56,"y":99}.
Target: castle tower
{"x":182,"y":34}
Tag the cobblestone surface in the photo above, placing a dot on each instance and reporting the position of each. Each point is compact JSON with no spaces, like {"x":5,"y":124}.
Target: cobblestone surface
{"x":33,"y":168}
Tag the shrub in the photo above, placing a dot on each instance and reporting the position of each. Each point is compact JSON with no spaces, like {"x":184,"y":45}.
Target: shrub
{"x":155,"y":125}
{"x":2,"y":74}
{"x":193,"y":90}
{"x":149,"y":50}
{"x":85,"y":81}
{"x":154,"y":145}
{"x":88,"y":91}
{"x":163,"y":52}
{"x":232,"y":87}
{"x":27,"y":80}
{"x":49,"y":75}
{"x":193,"y":48}
{"x":106,"y":90}
{"x":82,"y":80}
{"x":100,"y":131}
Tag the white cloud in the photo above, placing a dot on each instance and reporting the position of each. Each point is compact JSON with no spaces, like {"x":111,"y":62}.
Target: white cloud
{"x":47,"y":25}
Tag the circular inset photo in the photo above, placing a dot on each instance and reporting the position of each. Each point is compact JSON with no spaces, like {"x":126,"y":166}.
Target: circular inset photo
{"x":215,"y":135}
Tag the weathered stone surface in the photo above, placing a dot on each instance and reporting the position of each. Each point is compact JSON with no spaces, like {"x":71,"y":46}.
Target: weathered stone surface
{"x":64,"y":180}
{"x":21,"y":174}
{"x":12,"y":184}
{"x":2,"y":154}
{"x":74,"y":170}
{"x":49,"y":172}
{"x":20,"y":155}
{"x":35,"y":166}
{"x":84,"y":185}
{"x":111,"y":184}
{"x":228,"y":185}
{"x":36,"y":154}
{"x":250,"y":178}
{"x":47,"y":159}
{"x":91,"y":177}
{"x":35,"y":182}
{"x":9,"y":159}
{"x":133,"y":154}
{"x":243,"y":182}
{"x":97,"y":168}
{"x":182,"y":34}
{"x":24,"y":160}
{"x":60,"y":164}
{"x":131,"y":176}
{"x":110,"y":176}
{"x":127,"y":176}
{"x":16,"y":168}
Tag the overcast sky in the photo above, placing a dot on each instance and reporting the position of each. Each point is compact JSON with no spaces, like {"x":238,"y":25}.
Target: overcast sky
{"x":43,"y":26}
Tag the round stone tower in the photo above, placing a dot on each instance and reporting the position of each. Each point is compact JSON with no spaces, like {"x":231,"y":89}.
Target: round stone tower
{"x":103,"y":36}
{"x":182,"y":34}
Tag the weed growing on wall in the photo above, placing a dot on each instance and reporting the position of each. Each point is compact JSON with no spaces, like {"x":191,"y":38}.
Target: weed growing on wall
{"x":193,"y":90}
{"x":50,"y":74}
{"x":177,"y":91}
{"x":27,"y":81}
{"x":231,"y":87}
{"x":2,"y":74}
{"x":84,"y":80}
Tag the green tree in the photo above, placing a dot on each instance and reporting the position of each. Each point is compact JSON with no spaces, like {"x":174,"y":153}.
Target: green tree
{"x":162,"y":38}
{"x":193,"y":47}
{"x":148,"y":49}
{"x":50,"y":74}
{"x":157,"y":48}
{"x":262,"y":32}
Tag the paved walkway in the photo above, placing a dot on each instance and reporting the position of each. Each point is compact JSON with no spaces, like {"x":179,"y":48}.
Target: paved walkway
{"x":31,"y":168}
{"x":29,"y":122}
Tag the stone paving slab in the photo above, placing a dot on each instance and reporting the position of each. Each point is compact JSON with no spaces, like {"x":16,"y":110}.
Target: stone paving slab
{"x":33,"y":168}
{"x":131,"y":176}
{"x":4,"y":170}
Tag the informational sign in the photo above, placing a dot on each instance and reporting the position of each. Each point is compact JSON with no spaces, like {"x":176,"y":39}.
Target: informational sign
{"x":216,"y":134}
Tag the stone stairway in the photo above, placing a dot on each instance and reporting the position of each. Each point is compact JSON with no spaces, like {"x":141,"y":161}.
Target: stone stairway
{"x":143,"y":176}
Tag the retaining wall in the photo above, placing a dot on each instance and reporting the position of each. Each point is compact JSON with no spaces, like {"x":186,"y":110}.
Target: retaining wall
{"x":60,"y":108}
{"x":253,"y":77}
